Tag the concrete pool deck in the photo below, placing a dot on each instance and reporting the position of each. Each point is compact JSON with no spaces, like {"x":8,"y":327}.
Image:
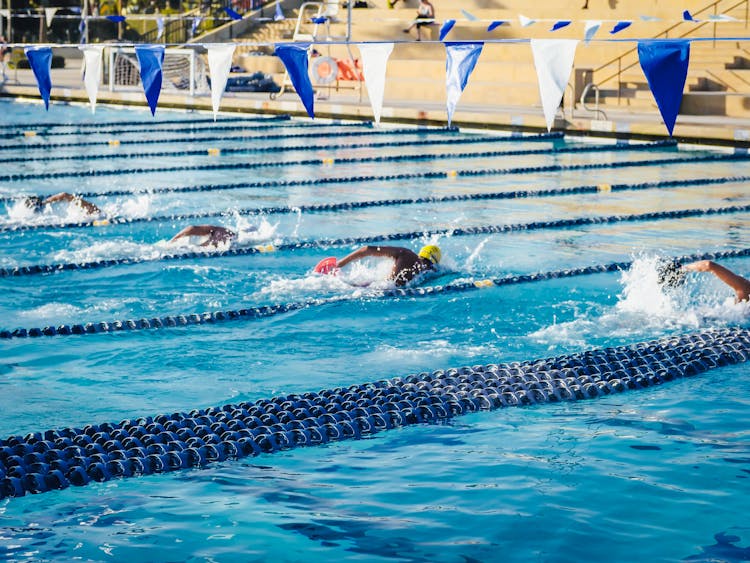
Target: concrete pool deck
{"x":67,"y":86}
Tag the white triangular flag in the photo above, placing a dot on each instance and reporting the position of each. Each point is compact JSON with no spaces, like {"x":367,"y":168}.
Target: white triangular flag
{"x":5,"y":13}
{"x":92,"y":63}
{"x":525,"y":22}
{"x":592,"y":26}
{"x":553,"y":59}
{"x":159,"y":28}
{"x":374,"y":63}
{"x":219,"y":64}
{"x":722,"y":18}
{"x":49,"y":13}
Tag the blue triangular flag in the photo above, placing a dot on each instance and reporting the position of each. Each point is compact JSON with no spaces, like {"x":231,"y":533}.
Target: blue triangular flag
{"x":232,"y":14}
{"x":279,"y":15}
{"x":619,"y":26}
{"x":116,"y":19}
{"x":687,"y":17}
{"x":150,"y":58}
{"x":196,"y":22}
{"x":82,"y":30}
{"x":461,"y":58}
{"x":496,"y":24}
{"x":40,"y":60}
{"x":294,"y":58}
{"x":469,"y":16}
{"x":445,"y":29}
{"x":560,"y":24}
{"x":665,"y":64}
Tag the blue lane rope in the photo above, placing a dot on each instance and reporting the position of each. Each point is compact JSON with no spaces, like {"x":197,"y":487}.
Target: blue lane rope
{"x":328,"y":243}
{"x":215,"y":317}
{"x":21,"y":128}
{"x":58,"y":458}
{"x":367,"y":132}
{"x":299,"y":148}
{"x":348,"y":160}
{"x":349,"y":205}
{"x":243,"y":126}
{"x":437,"y":175}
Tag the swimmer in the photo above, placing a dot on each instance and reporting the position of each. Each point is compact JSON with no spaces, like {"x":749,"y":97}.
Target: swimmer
{"x":214,"y":234}
{"x":37,"y":203}
{"x":740,"y":285}
{"x":406,"y":263}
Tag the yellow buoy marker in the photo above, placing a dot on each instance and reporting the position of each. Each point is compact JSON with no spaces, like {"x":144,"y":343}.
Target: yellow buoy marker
{"x":451,"y":174}
{"x":605,"y":188}
{"x":484,"y":283}
{"x":29,"y":133}
{"x":328,"y":161}
{"x":114,"y":142}
{"x":214,"y":152}
{"x":101,"y":223}
{"x":265,"y":248}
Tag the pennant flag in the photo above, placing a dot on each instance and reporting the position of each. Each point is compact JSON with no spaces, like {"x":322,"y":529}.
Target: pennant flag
{"x":525,"y":22}
{"x":592,"y":26}
{"x":650,"y":18}
{"x":92,"y":64}
{"x":40,"y":60}
{"x":446,"y":28}
{"x":5,"y":13}
{"x":553,"y":59}
{"x":619,"y":26}
{"x":495,"y":24}
{"x":219,"y":64}
{"x":560,"y":24}
{"x":278,"y":15}
{"x":686,"y":16}
{"x":232,"y":14}
{"x":374,"y":62}
{"x":665,"y":64}
{"x":722,"y":18}
{"x":82,"y":29}
{"x":468,"y":16}
{"x":159,"y":27}
{"x":196,"y":22}
{"x":116,"y":19}
{"x":151,"y":58}
{"x":294,"y":58}
{"x":49,"y":13}
{"x":461,"y":58}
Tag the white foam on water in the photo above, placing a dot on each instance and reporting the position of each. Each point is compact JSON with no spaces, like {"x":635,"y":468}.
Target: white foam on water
{"x":644,"y":307}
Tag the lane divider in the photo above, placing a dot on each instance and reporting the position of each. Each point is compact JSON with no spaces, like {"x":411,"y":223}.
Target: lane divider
{"x":301,"y":148}
{"x":215,"y":317}
{"x":350,"y":241}
{"x":349,"y":160}
{"x":366,"y":132}
{"x":155,"y":123}
{"x":437,"y":175}
{"x":58,"y":458}
{"x":350,"y":205}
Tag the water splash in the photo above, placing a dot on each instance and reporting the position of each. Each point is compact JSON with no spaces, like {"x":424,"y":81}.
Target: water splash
{"x":645,"y":307}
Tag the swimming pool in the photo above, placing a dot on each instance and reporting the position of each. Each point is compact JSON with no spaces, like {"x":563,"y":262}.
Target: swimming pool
{"x":656,"y":474}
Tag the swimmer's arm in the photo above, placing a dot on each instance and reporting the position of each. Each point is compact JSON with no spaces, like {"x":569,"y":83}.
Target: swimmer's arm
{"x":367,"y":251}
{"x":215,"y":234}
{"x":87,"y":206}
{"x":740,"y":285}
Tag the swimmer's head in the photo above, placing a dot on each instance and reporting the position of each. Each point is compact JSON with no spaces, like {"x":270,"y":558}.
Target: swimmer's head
{"x":431,"y":253}
{"x":33,"y":202}
{"x":670,"y":273}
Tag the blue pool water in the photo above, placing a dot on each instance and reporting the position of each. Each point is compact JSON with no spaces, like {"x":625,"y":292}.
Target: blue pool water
{"x":658,"y":475}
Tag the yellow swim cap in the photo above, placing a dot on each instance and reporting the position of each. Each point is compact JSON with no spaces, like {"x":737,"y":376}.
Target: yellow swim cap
{"x":431,"y":253}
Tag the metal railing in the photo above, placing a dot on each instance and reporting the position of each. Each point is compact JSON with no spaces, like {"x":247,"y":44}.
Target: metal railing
{"x":629,"y":59}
